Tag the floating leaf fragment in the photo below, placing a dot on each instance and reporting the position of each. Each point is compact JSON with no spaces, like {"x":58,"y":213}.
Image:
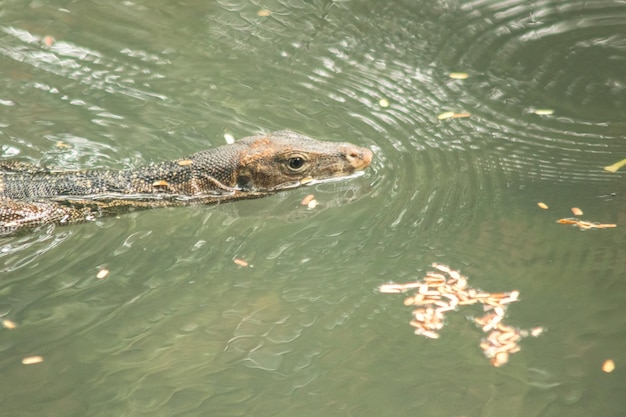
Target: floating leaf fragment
{"x":542,"y":205}
{"x":458,"y":75}
{"x":615,"y":166}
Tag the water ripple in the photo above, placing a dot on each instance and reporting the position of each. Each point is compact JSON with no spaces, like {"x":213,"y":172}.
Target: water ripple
{"x":75,"y":62}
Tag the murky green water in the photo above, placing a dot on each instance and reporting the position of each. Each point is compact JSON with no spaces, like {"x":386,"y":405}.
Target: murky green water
{"x":177,"y":329}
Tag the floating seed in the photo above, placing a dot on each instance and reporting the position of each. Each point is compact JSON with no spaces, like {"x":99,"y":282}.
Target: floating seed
{"x":500,"y":359}
{"x":576,"y":211}
{"x":458,"y":75}
{"x":240,"y":262}
{"x":536,"y":331}
{"x":8,"y":324}
{"x":102,"y":274}
{"x":608,"y":366}
{"x":306,"y":200}
{"x":230,"y":139}
{"x":31,"y":360}
{"x":445,"y":115}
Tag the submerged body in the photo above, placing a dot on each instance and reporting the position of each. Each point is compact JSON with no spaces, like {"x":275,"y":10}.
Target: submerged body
{"x":252,"y":167}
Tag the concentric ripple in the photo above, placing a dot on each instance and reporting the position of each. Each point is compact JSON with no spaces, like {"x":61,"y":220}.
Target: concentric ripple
{"x":383,"y":76}
{"x":568,"y":53}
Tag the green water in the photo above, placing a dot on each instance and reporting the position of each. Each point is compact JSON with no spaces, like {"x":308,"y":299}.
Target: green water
{"x":177,"y":329}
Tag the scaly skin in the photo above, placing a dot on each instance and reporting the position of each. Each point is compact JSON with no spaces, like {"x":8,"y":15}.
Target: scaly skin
{"x":252,"y":167}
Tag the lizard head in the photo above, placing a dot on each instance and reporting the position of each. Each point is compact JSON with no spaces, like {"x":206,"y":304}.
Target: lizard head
{"x":285,"y":159}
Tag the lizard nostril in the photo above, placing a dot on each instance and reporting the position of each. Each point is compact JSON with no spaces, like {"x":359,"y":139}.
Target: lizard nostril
{"x":360,"y":157}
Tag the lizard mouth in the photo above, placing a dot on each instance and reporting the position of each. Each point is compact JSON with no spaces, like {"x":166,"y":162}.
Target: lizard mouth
{"x":310,"y":181}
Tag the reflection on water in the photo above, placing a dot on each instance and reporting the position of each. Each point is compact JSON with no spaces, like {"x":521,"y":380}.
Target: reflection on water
{"x":177,"y":328}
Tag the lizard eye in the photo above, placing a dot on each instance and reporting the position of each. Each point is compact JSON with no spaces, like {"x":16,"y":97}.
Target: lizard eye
{"x":296,"y":163}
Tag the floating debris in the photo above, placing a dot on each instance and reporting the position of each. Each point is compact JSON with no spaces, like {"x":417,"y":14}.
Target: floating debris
{"x":306,"y":200}
{"x":576,"y":211}
{"x":445,"y":290}
{"x":264,"y":13}
{"x":585,"y":225}
{"x":458,"y":75}
{"x":31,"y":360}
{"x":608,"y":366}
{"x":309,"y":201}
{"x":383,"y":102}
{"x":615,"y":166}
{"x":8,"y":324}
{"x":230,"y":139}
{"x":48,"y":40}
{"x":446,"y":115}
{"x":543,"y":112}
{"x":452,"y":115}
{"x":102,"y":274}
{"x":241,"y":262}
{"x":542,"y":205}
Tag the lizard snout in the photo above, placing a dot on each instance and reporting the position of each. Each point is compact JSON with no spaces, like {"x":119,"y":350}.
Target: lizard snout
{"x":359,"y":158}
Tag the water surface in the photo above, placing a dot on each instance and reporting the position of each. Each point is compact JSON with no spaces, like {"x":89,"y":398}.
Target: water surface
{"x":177,"y":329}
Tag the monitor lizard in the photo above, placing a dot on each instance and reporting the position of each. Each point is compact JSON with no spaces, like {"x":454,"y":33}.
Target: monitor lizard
{"x":251,"y":167}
